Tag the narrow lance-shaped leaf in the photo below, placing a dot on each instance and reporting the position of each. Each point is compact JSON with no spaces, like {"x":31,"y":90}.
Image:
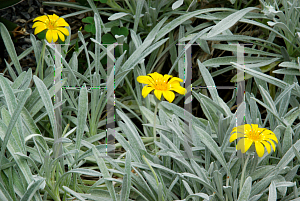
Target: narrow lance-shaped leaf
{"x":245,"y":192}
{"x":33,"y":188}
{"x":229,"y":21}
{"x":44,"y":94}
{"x":9,"y":45}
{"x":104,"y":171}
{"x":82,"y":114}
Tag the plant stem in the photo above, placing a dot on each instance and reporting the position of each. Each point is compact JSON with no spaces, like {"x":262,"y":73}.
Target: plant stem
{"x":154,"y":127}
{"x":243,"y":172}
{"x":156,"y":179}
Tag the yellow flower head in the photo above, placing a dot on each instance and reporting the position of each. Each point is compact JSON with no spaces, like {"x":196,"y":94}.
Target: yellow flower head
{"x":161,"y":85}
{"x":251,"y":133}
{"x":54,"y":24}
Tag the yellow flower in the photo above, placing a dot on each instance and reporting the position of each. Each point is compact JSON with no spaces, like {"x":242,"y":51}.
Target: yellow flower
{"x":161,"y":85}
{"x":251,"y":133}
{"x":54,"y":24}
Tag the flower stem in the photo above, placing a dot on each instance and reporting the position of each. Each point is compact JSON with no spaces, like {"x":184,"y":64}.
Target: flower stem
{"x":154,"y":127}
{"x":243,"y":172}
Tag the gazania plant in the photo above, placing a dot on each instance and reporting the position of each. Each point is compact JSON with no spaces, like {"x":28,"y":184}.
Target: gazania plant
{"x":54,"y":28}
{"x":129,"y":131}
{"x":162,"y":85}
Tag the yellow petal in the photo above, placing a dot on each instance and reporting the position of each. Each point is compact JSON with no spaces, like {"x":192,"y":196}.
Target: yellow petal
{"x":246,"y":128}
{"x":254,"y":127}
{"x":39,"y":29}
{"x":272,"y":137}
{"x":49,"y":36}
{"x":144,"y":79}
{"x":244,"y":144}
{"x":167,"y":77}
{"x":37,"y":24}
{"x":234,"y":136}
{"x":61,"y":22}
{"x":260,"y":150}
{"x":267,"y":145}
{"x":61,"y":36}
{"x":54,"y":35}
{"x":175,"y":79}
{"x":233,"y":130}
{"x":43,"y":18}
{"x":156,"y":76}
{"x":169,"y":96}
{"x":53,"y":17}
{"x":158,"y":94}
{"x":263,"y":131}
{"x":272,"y":143}
{"x":146,"y":90}
{"x":63,"y":30}
{"x":179,"y":89}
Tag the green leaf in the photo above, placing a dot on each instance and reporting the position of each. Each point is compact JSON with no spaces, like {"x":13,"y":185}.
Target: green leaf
{"x":265,"y":77}
{"x":245,"y":193}
{"x":211,"y":87}
{"x":132,"y":134}
{"x":138,"y":11}
{"x":228,"y":59}
{"x":11,"y":138}
{"x":247,"y":50}
{"x":104,"y":171}
{"x":213,"y":147}
{"x":119,"y":31}
{"x":4,"y":194}
{"x":149,"y":115}
{"x":229,"y":21}
{"x":92,"y":4}
{"x":90,"y":28}
{"x":290,"y":117}
{"x":6,"y":4}
{"x":117,"y":16}
{"x":290,"y":65}
{"x":126,"y":186}
{"x":287,"y":72}
{"x":282,"y":120}
{"x":199,"y":195}
{"x":10,"y":48}
{"x":177,"y":4}
{"x":264,"y":66}
{"x":108,"y":39}
{"x":288,"y":156}
{"x":205,"y":184}
{"x":88,"y":20}
{"x":125,"y":144}
{"x":179,"y":20}
{"x":262,"y":184}
{"x":140,"y":53}
{"x":81,"y":117}
{"x":46,"y":98}
{"x":15,"y":112}
{"x":261,"y":172}
{"x":32,"y":189}
{"x":287,"y":139}
{"x":9,"y":25}
{"x":77,"y":195}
